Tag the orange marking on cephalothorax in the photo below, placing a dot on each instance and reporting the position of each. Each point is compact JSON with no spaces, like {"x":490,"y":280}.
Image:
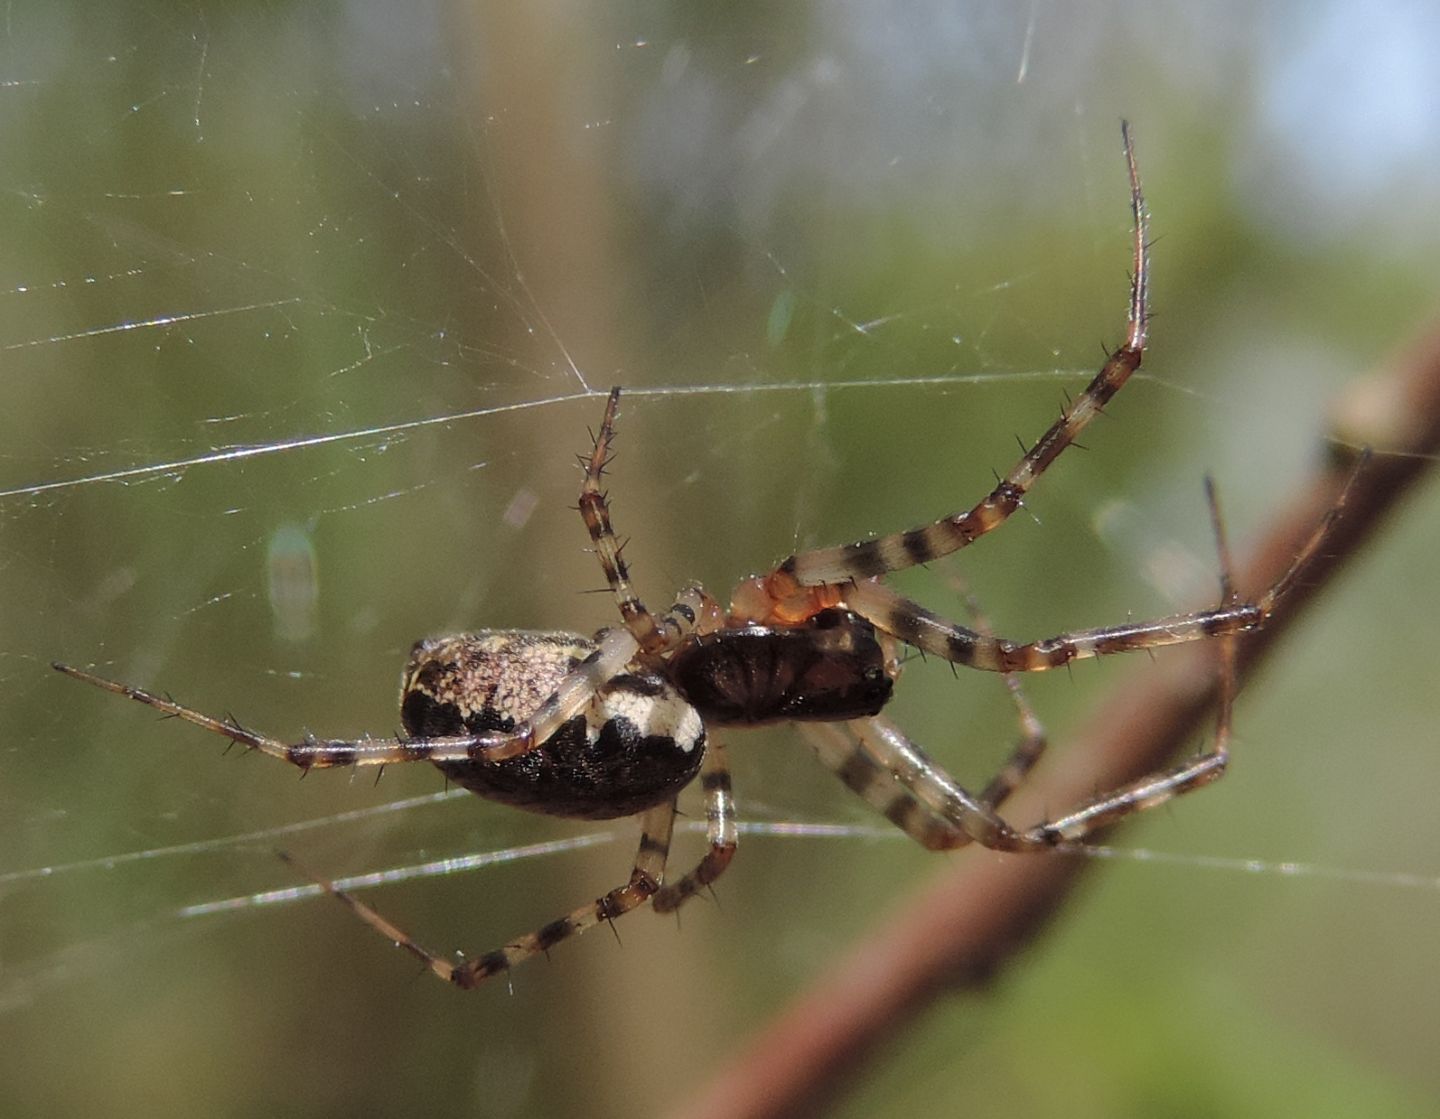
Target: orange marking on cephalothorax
{"x":778,"y":600}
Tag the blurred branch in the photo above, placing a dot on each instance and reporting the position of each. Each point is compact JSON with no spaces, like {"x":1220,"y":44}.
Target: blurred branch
{"x":960,"y":931}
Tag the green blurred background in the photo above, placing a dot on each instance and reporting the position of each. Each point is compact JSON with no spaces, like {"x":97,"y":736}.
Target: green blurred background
{"x":295,"y":305}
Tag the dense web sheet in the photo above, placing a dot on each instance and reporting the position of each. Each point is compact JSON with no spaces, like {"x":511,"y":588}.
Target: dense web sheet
{"x":304,"y":314}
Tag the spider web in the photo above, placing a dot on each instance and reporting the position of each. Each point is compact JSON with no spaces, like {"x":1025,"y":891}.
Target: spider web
{"x":305,"y":313}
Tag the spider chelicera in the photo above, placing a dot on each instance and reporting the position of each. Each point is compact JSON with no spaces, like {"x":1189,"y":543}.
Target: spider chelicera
{"x":616,"y":725}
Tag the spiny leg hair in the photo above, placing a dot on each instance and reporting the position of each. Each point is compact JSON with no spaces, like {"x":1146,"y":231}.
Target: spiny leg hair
{"x":895,"y":775}
{"x":911,"y":623}
{"x":654,"y":636}
{"x":720,"y":832}
{"x":656,"y":826}
{"x":615,"y":649}
{"x":883,"y":554}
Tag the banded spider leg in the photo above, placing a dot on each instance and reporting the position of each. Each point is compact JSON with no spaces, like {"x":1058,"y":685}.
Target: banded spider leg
{"x":891,"y":772}
{"x":881,"y":555}
{"x":654,"y":638}
{"x":615,"y":725}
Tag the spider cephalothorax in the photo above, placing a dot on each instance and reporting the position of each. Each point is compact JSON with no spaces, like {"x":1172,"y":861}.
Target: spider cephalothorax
{"x":828,"y":667}
{"x":615,"y":725}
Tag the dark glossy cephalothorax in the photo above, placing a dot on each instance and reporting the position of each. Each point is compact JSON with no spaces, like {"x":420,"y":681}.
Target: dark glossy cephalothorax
{"x":830,"y":667}
{"x":616,"y":725}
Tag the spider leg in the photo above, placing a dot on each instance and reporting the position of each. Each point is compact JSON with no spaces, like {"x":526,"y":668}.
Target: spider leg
{"x":654,"y":635}
{"x":719,"y":830}
{"x":865,"y":773}
{"x":909,"y":622}
{"x":1025,"y":753}
{"x":891,"y":612}
{"x":655,"y":829}
{"x":614,"y":650}
{"x":1149,"y":792}
{"x":1031,"y":746}
{"x":882,"y":554}
{"x":926,"y":803}
{"x":1155,"y":789}
{"x":895,"y":775}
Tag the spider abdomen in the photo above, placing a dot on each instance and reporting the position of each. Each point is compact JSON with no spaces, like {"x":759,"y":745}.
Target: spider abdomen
{"x":830,"y":667}
{"x":635,"y":745}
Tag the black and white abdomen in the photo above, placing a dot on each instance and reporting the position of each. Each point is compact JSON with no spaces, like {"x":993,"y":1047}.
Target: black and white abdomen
{"x":635,"y":745}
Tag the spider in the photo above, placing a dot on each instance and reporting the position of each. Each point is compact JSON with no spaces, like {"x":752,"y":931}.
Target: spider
{"x":616,"y":725}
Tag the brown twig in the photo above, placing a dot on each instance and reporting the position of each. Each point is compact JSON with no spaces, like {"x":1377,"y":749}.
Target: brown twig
{"x":966,"y":926}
